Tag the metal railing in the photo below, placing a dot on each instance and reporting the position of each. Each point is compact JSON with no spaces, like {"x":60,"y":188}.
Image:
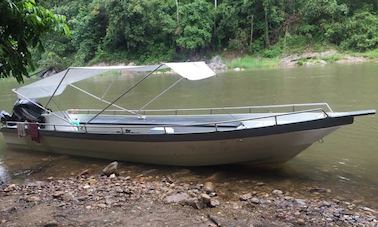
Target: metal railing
{"x":212,"y":110}
{"x":127,"y":129}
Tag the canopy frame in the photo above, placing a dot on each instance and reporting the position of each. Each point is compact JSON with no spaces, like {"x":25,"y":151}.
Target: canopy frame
{"x":56,"y":89}
{"x":124,"y":93}
{"x":200,"y":71}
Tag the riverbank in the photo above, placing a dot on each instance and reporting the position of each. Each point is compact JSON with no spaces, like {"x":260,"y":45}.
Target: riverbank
{"x":87,"y":198}
{"x":306,"y":58}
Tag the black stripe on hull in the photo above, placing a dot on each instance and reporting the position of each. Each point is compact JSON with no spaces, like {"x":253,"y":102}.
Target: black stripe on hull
{"x":234,"y":134}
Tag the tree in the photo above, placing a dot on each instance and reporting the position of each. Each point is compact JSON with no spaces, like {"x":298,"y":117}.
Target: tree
{"x":196,"y":22}
{"x":22,"y":23}
{"x":359,"y":32}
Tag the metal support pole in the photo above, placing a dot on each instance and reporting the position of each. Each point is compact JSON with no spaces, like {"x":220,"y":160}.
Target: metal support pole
{"x":56,"y":89}
{"x":160,"y":94}
{"x":123,"y":94}
{"x":107,"y":89}
{"x":102,"y":100}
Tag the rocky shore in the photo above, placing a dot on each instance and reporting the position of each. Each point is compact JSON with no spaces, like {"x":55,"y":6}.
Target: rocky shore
{"x":118,"y":199}
{"x":308,"y":58}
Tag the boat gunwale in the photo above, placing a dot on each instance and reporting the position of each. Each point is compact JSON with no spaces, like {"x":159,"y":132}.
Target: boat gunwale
{"x":202,"y":136}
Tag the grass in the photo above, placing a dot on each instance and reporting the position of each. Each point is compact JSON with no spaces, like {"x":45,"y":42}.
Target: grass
{"x":251,"y":62}
{"x":372,"y":54}
{"x":333,"y":58}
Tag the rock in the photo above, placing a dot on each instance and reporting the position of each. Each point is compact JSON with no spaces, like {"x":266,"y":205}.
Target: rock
{"x":68,"y":197}
{"x":301,"y":221}
{"x":260,"y":184}
{"x":289,"y":198}
{"x":112,"y":176}
{"x":193,"y":202}
{"x":110,"y":169}
{"x":81,"y":198}
{"x":10,"y":188}
{"x":214,"y":202}
{"x":300,"y":202}
{"x":177,"y":198}
{"x":209,"y":187}
{"x":213,"y":194}
{"x":277,"y":192}
{"x":351,"y":60}
{"x":35,"y":184}
{"x":32,"y":199}
{"x":50,"y":178}
{"x":92,"y":181}
{"x":86,"y":186}
{"x":237,"y":69}
{"x":368,"y":209}
{"x":51,"y":224}
{"x":322,"y":62}
{"x":245,"y":197}
{"x":9,"y":209}
{"x":169,"y":179}
{"x":319,"y":190}
{"x":58,"y":194}
{"x":235,"y":205}
{"x":255,"y":200}
{"x":214,"y":220}
{"x":84,"y":172}
{"x":101,"y":205}
{"x":205,"y":198}
{"x":217,"y":64}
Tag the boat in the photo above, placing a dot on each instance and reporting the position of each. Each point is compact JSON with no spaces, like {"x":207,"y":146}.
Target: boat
{"x":182,"y":137}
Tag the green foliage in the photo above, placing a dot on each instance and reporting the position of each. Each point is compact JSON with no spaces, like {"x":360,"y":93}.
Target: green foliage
{"x":256,"y":47}
{"x":151,"y":31}
{"x":240,"y":42}
{"x":372,"y":54}
{"x":360,"y":32}
{"x":196,"y":20}
{"x":89,"y":31}
{"x":272,"y":52}
{"x":22,"y":23}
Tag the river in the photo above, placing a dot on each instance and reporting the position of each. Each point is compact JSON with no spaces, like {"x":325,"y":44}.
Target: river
{"x":346,"y":162}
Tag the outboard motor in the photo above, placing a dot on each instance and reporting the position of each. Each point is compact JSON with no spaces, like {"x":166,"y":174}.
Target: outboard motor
{"x":25,"y":110}
{"x":5,"y":116}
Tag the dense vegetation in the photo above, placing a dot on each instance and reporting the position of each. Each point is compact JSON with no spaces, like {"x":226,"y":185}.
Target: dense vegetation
{"x":162,"y":30}
{"x":22,"y":23}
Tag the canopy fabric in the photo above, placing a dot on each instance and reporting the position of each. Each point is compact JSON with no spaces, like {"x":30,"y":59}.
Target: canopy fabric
{"x":46,"y":87}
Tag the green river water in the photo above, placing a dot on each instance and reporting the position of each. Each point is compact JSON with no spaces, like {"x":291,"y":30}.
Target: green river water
{"x":346,"y":162}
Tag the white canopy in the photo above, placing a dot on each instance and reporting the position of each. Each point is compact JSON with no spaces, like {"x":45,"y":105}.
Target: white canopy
{"x":46,"y":87}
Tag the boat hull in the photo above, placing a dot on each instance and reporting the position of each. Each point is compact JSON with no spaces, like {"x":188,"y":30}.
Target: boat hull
{"x":274,"y":148}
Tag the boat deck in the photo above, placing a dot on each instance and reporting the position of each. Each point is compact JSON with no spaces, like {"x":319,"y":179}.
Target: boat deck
{"x":179,"y":124}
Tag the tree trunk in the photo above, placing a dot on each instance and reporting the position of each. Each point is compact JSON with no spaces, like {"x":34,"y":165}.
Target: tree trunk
{"x":267,"y":42}
{"x":251,"y":35}
{"x":215,"y":24}
{"x":177,"y":12}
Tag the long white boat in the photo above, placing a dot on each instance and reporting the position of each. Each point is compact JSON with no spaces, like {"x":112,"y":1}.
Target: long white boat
{"x":187,"y":137}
